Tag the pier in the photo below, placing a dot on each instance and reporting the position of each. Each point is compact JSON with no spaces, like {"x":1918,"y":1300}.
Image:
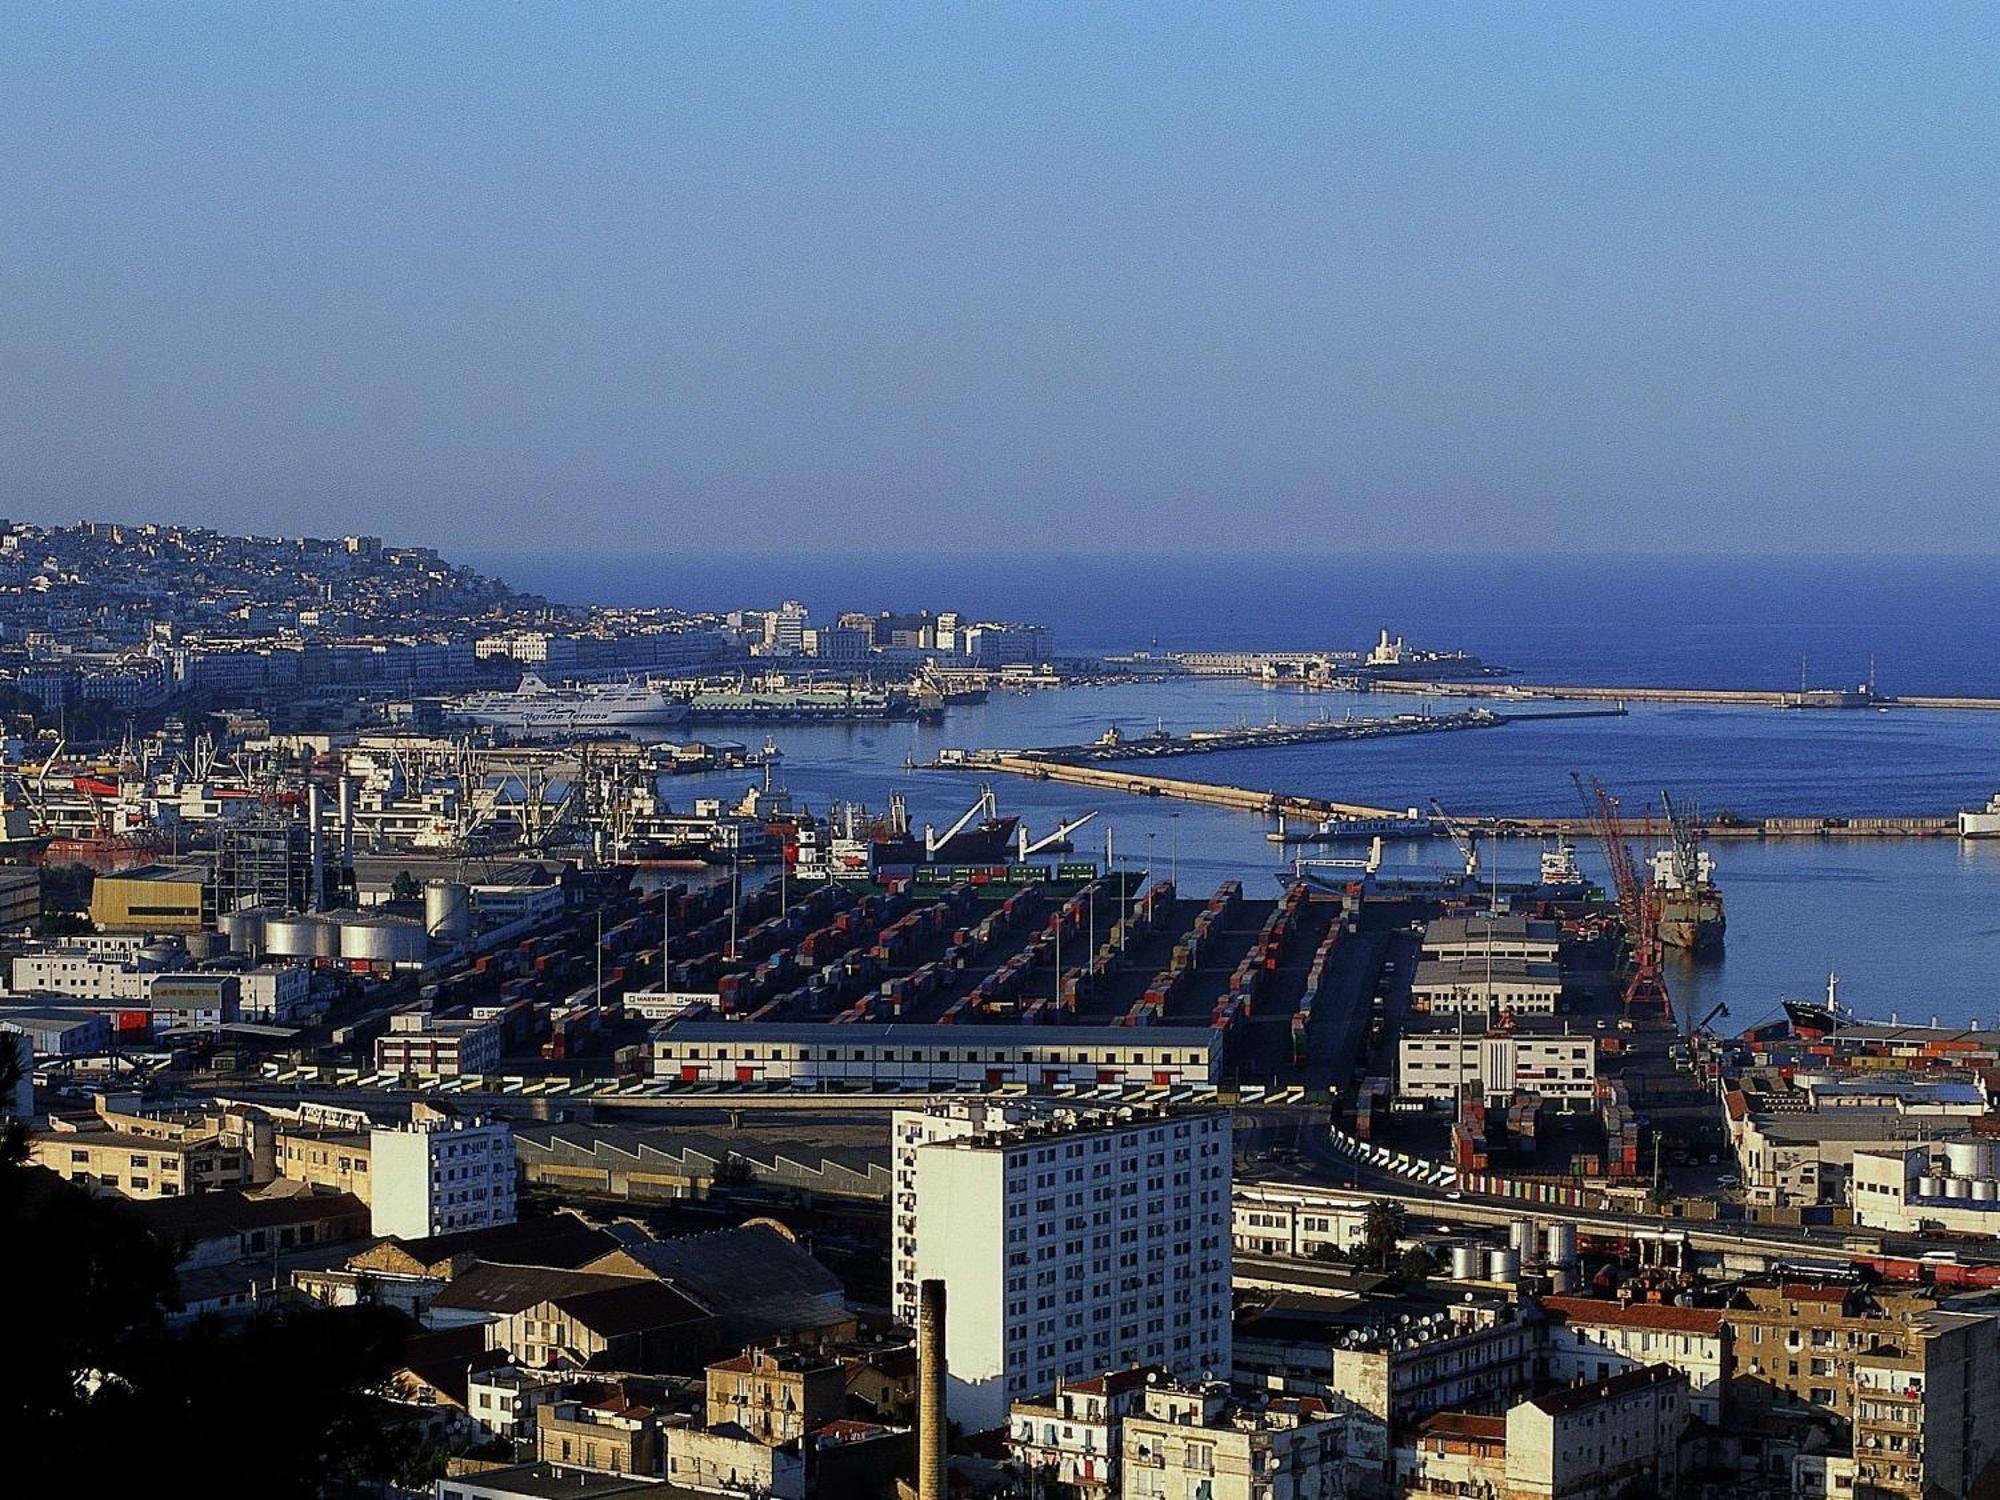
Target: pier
{"x":1272,"y":804}
{"x":1815,"y":700}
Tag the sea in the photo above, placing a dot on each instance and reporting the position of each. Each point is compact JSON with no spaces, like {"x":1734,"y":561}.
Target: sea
{"x":1911,"y":926}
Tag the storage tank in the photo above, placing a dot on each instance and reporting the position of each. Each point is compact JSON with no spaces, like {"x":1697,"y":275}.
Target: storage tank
{"x":1969,"y":1158}
{"x":1930,"y":1187}
{"x":1985,"y":1190}
{"x":448,"y":910}
{"x":383,"y":940}
{"x":1521,"y":1237}
{"x":1955,"y":1187}
{"x":1562,"y":1280}
{"x":291,"y":937}
{"x":1562,"y":1244}
{"x":1465,"y":1260}
{"x":1503,"y":1265}
{"x":244,"y":930}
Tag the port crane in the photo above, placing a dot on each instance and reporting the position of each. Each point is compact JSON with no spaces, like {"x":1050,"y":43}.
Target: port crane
{"x":1638,"y":901}
{"x":1464,"y":837}
{"x":1063,"y":829}
{"x":987,"y":806}
{"x":1683,"y":848}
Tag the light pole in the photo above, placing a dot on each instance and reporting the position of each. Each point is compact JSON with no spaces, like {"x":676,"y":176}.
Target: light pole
{"x":1174,"y":822}
{"x":1150,"y":835}
{"x":667,"y":938}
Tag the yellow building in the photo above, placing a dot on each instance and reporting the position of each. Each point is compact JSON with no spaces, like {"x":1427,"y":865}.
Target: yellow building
{"x":151,"y":898}
{"x":339,"y":1161}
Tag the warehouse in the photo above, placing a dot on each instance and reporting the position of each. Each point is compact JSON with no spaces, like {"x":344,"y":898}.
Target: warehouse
{"x":738,"y":1052}
{"x":1485,"y":987}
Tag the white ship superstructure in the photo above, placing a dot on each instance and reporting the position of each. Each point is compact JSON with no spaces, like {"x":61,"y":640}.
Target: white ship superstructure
{"x":537,"y":708}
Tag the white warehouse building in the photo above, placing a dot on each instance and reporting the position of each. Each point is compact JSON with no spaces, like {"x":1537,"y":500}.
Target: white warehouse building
{"x":1535,"y":1060}
{"x":1040,"y":1056}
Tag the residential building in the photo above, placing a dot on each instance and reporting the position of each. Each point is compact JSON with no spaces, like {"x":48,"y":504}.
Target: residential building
{"x":1589,"y":1339}
{"x":1072,"y":1436}
{"x":1598,"y":1440}
{"x":441,"y":1171}
{"x":1194,"y":1441}
{"x":339,"y":1161}
{"x":1074,"y":1241}
{"x":1888,"y":1361}
{"x":776,"y":1395}
{"x":727,"y":1460}
{"x":607,"y":1433}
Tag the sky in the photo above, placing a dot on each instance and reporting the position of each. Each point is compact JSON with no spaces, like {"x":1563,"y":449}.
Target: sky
{"x":676,"y":278}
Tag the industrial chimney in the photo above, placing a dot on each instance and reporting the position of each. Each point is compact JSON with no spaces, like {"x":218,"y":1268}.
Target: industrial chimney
{"x":930,"y":1391}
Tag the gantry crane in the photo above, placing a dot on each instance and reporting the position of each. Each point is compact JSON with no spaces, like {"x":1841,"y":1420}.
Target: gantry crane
{"x":1638,"y":902}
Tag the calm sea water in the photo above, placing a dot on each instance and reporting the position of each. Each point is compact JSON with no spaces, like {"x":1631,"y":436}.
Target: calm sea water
{"x":1913,"y":927}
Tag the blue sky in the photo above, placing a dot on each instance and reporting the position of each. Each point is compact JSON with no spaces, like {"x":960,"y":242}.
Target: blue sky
{"x":669,"y":277}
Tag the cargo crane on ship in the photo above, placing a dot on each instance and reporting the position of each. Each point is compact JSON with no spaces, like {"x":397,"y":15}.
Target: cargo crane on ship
{"x":1638,"y":904}
{"x":1683,"y":873}
{"x":1464,"y":837}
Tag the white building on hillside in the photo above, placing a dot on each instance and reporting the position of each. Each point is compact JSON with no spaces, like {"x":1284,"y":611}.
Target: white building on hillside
{"x":441,"y":1172}
{"x":1072,"y":1241}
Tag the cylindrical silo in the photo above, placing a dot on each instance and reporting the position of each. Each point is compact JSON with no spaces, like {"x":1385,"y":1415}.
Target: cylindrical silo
{"x":1968,"y":1158}
{"x":382,"y":940}
{"x":1465,"y":1261}
{"x":1985,"y":1190}
{"x":1521,"y":1237}
{"x":1562,"y":1244}
{"x":1955,"y":1187}
{"x":1930,"y":1187}
{"x":1503,"y":1266}
{"x":448,"y":910}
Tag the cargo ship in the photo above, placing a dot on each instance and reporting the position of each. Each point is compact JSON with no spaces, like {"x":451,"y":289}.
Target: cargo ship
{"x":1683,"y":873}
{"x":1691,"y":911}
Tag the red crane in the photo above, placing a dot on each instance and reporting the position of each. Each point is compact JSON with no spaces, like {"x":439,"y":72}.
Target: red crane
{"x":1638,"y":903}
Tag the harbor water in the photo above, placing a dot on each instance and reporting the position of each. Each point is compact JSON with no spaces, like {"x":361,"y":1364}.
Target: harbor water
{"x":1912,"y":926}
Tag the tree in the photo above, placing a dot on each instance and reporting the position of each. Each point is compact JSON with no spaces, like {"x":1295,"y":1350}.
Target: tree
{"x":1380,"y":1230}
{"x":97,"y":1388}
{"x":405,"y":887}
{"x":1417,"y":1264}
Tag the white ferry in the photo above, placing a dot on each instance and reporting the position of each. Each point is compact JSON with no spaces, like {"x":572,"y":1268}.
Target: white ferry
{"x":537,"y":708}
{"x":1981,"y":823}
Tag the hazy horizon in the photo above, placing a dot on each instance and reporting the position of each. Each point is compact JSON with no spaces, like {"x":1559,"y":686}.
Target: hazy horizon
{"x":1078,"y":281}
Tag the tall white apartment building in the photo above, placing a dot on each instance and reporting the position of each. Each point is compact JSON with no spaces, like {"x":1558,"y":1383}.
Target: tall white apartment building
{"x":441,"y":1172}
{"x":1070,"y":1241}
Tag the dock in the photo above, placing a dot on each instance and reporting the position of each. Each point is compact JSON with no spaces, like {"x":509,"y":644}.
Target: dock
{"x":1809,"y":700}
{"x":1272,"y":804}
